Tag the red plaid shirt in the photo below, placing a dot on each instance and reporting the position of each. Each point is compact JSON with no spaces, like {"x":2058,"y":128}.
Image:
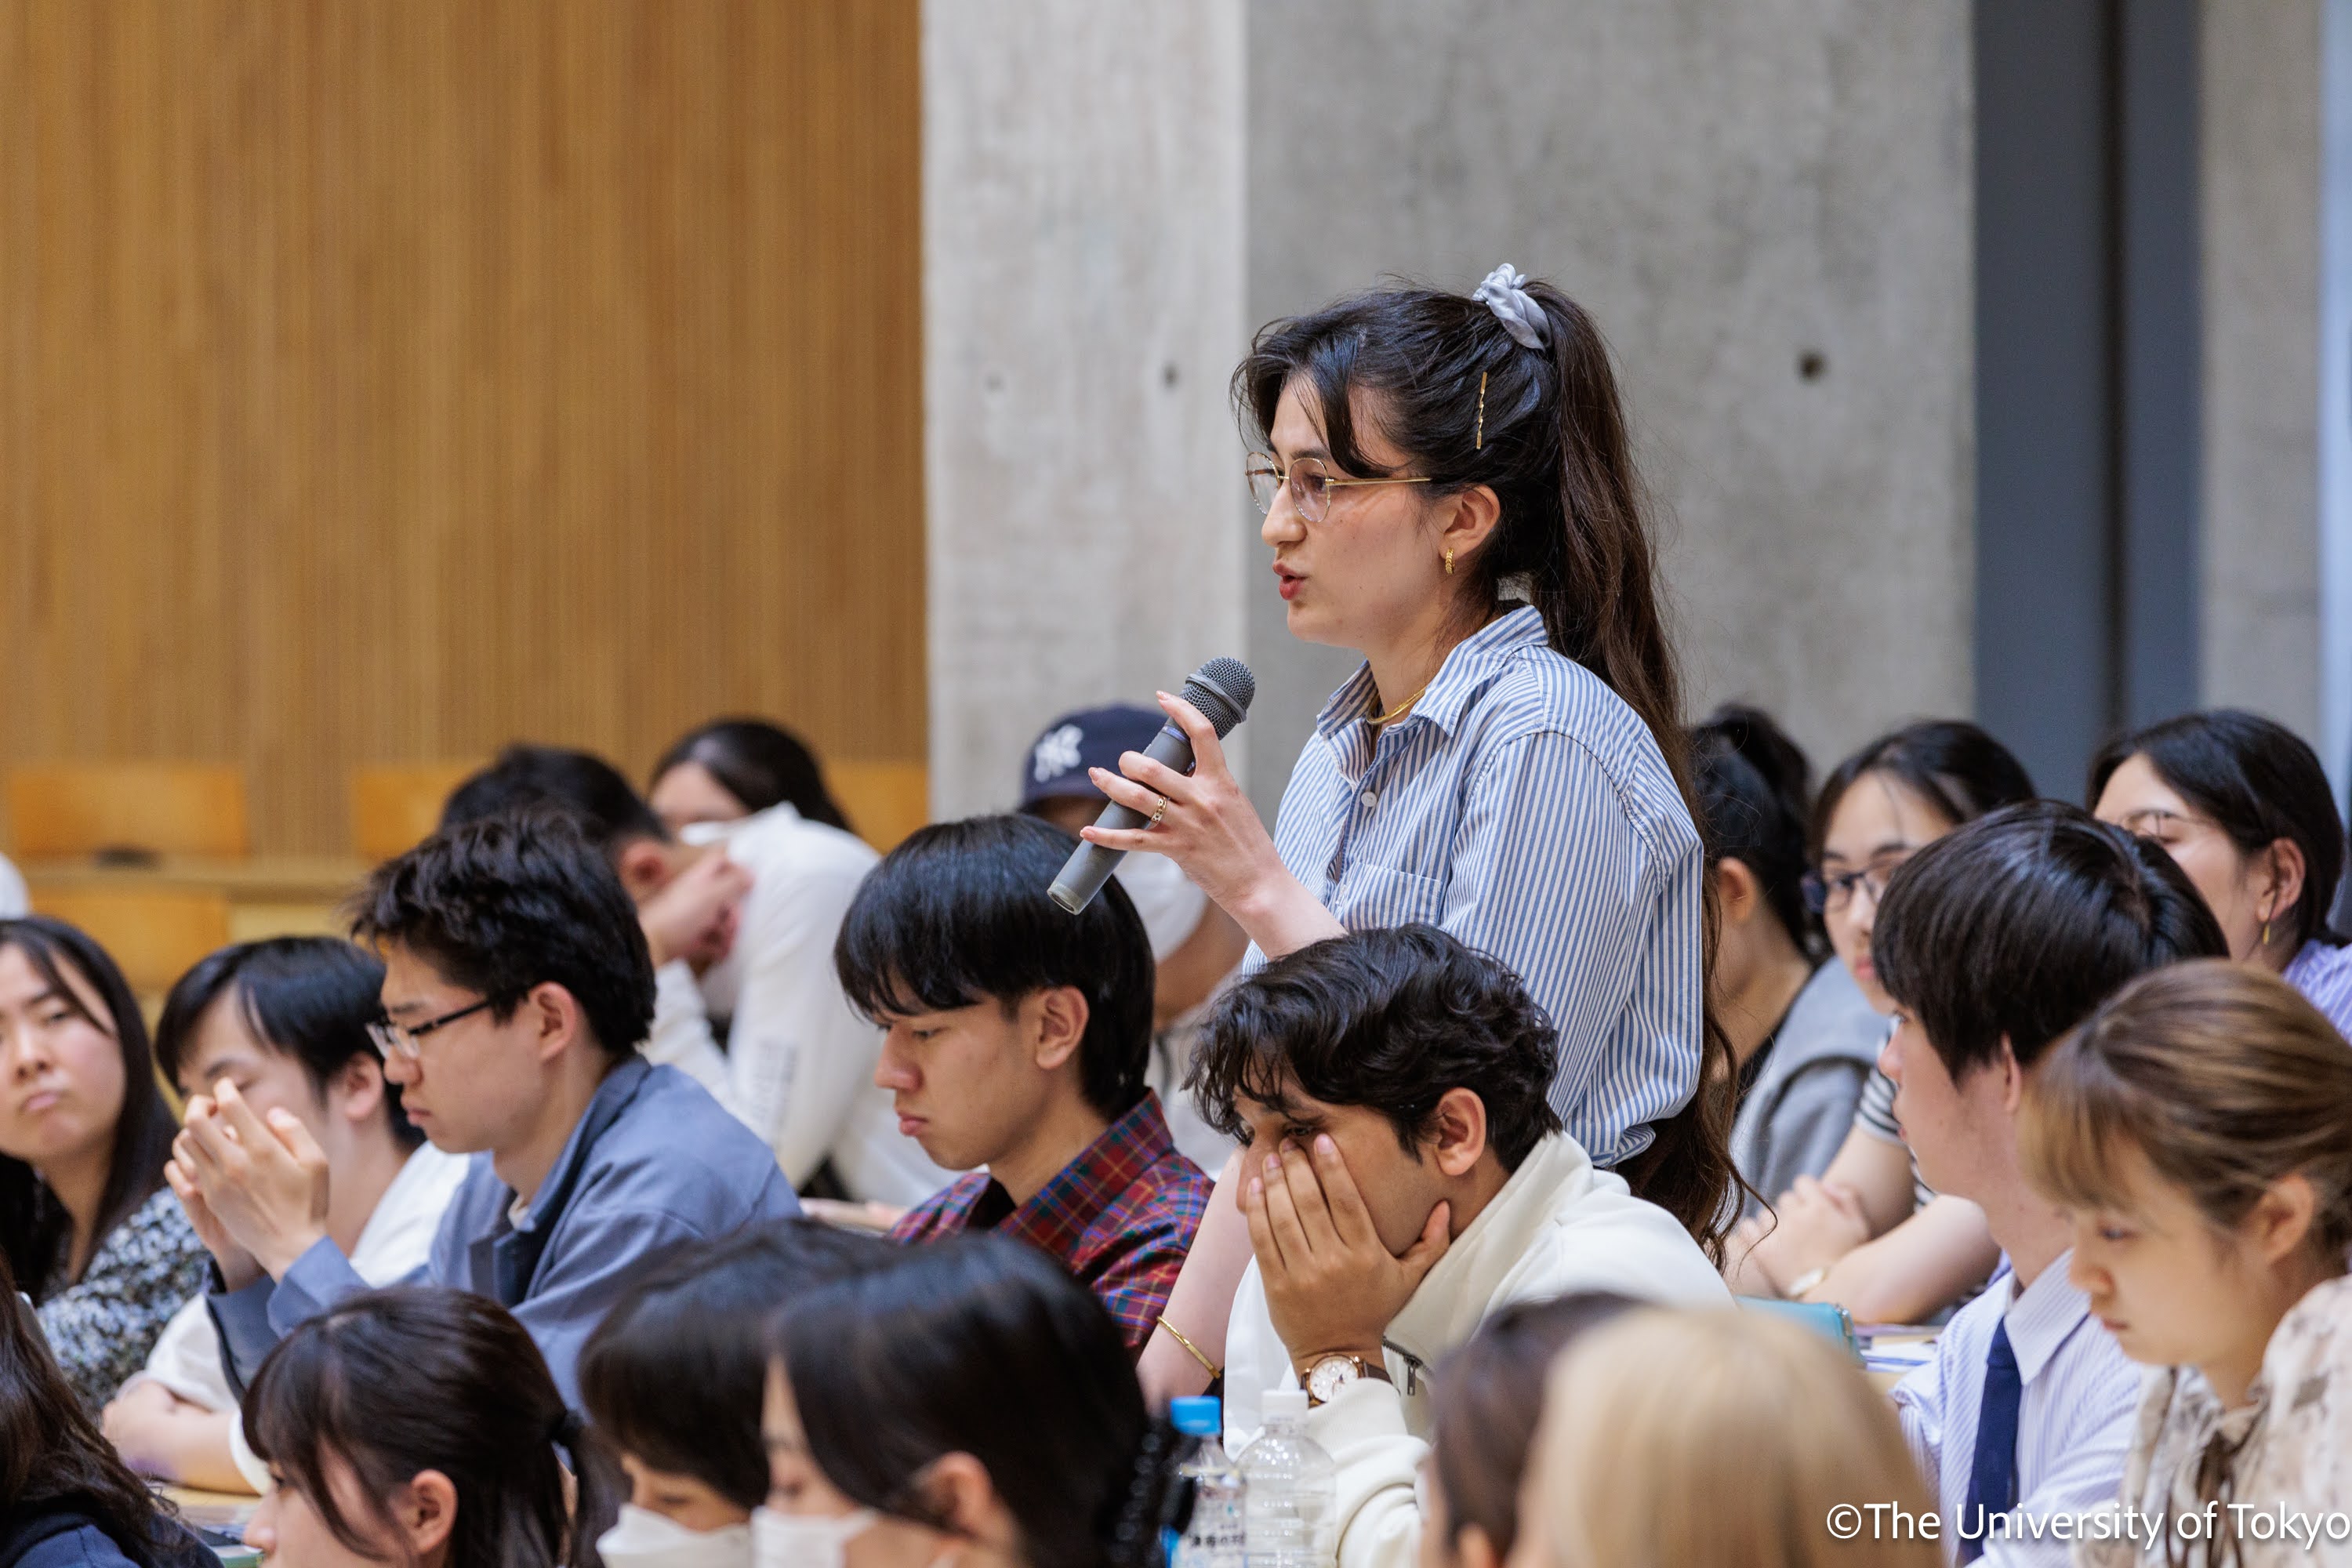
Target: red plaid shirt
{"x":1120,"y":1216}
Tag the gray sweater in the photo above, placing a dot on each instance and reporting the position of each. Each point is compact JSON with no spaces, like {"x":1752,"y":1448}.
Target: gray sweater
{"x":1793,"y":1121}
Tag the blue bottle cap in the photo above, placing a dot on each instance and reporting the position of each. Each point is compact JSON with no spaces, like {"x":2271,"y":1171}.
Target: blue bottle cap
{"x":1197,"y":1415}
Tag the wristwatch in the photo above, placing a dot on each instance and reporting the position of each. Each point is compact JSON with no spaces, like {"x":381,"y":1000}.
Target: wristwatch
{"x":1328,"y":1374}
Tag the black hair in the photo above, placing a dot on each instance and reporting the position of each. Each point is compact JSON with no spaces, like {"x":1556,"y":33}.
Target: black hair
{"x":2259,"y":782}
{"x":35,"y":1228}
{"x":1389,"y":1018}
{"x":397,"y":1382}
{"x":675,"y":1373}
{"x":1956,"y":767}
{"x":1487,"y":1399}
{"x":2015,"y":926}
{"x":506,"y":904}
{"x":980,"y":1344}
{"x":54,"y":1458}
{"x":311,"y":998}
{"x":585,"y":787}
{"x":760,"y":763}
{"x":958,"y":913}
{"x":1754,"y":787}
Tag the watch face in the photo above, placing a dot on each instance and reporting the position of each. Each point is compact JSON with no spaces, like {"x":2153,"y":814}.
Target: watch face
{"x":1327,"y":1377}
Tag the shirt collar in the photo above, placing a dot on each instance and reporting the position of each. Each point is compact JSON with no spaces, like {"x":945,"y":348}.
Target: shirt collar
{"x":1475,"y":660}
{"x":1066,"y":1208}
{"x":2041,"y":1316}
{"x":603,"y":1108}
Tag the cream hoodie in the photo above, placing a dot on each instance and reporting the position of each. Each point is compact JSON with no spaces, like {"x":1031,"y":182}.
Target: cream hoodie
{"x":1558,"y":1225}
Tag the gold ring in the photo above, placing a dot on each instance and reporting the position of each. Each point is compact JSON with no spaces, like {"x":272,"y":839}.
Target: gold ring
{"x":1160,"y":813}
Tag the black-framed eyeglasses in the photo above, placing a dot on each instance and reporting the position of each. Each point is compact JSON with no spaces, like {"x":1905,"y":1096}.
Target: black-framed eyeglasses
{"x":1824,"y":893}
{"x":390,"y":1038}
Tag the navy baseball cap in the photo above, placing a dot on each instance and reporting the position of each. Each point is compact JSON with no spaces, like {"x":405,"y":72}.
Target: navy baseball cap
{"x":1056,"y":767}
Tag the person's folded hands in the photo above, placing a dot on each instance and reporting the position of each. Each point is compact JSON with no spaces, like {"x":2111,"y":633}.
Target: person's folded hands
{"x":264,"y":1181}
{"x":1332,"y":1285}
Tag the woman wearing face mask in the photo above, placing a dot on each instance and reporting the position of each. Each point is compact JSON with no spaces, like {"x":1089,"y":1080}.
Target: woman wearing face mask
{"x":2197,"y":1128}
{"x":673,"y":1380}
{"x":968,"y":1406}
{"x":420,"y":1426}
{"x":87,"y":1224}
{"x":733,"y":768}
{"x":2244,"y":806}
{"x":1864,"y":1235}
{"x":1449,"y":489}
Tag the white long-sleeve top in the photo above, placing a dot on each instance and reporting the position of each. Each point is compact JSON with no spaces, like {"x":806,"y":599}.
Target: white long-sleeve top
{"x":799,"y":1064}
{"x":1558,"y":1225}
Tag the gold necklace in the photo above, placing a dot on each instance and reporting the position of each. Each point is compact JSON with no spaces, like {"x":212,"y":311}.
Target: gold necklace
{"x":1399,"y":710}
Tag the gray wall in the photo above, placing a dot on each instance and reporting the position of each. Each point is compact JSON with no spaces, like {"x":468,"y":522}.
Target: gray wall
{"x":1082,"y":298}
{"x":2261,"y":173}
{"x":1729,"y":186}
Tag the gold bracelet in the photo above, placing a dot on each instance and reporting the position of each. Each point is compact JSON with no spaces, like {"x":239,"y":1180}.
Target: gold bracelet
{"x":1211,"y":1368}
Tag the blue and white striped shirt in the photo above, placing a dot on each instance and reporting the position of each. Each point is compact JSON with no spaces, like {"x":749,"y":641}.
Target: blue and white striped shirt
{"x":1525,"y":809}
{"x":2323,"y":973}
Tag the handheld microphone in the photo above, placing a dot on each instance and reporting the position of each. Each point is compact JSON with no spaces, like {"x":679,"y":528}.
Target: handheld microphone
{"x":1221,"y":689}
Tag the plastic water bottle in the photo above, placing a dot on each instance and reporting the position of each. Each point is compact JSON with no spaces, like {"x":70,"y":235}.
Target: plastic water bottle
{"x":1289,"y":1486}
{"x":1213,"y":1538}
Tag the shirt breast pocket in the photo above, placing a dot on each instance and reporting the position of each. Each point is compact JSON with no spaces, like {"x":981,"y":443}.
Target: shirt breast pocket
{"x":1372,"y":897}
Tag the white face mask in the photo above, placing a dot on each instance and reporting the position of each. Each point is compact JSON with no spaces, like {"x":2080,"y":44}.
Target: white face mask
{"x":643,"y":1539}
{"x":1169,"y":904}
{"x":803,"y":1540}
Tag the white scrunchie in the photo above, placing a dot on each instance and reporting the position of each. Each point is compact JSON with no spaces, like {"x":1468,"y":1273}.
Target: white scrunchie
{"x":1504,"y":292}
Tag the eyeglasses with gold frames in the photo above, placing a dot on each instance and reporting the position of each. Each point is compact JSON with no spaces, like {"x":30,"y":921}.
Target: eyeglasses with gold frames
{"x":1309,"y":482}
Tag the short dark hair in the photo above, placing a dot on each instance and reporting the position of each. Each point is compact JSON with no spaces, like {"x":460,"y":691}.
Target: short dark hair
{"x":2259,"y":782}
{"x":1752,"y":784}
{"x":508,"y":902}
{"x":676,"y":1371}
{"x":959,"y":912}
{"x":1386,"y":1018}
{"x":2018,"y":924}
{"x":980,"y":1344}
{"x":760,"y":765}
{"x":311,"y":998}
{"x":582,"y":785}
{"x":1955,"y":766}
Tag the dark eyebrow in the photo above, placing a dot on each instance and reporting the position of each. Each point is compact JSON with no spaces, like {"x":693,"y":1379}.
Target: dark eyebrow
{"x":1892,"y":845}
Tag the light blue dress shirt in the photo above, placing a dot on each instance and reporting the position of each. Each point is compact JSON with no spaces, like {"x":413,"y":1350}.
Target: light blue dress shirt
{"x":2074,"y":1419}
{"x":654,"y":1163}
{"x":1525,"y":809}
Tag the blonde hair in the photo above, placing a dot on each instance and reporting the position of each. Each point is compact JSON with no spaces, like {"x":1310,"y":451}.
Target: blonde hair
{"x":1716,"y":1439}
{"x":2222,"y":1075}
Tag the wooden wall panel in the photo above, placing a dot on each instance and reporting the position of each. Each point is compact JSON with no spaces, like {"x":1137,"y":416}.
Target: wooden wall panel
{"x":383,"y":380}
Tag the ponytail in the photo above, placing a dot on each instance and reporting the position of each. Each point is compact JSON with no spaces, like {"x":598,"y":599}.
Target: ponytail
{"x":1470,"y":399}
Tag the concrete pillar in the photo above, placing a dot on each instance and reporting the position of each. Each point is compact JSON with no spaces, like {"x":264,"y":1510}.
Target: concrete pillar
{"x":2261,"y":169}
{"x":1082,"y":297}
{"x":1766,"y":205}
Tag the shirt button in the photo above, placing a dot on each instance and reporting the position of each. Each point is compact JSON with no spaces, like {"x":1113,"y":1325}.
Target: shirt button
{"x":1370,"y":798}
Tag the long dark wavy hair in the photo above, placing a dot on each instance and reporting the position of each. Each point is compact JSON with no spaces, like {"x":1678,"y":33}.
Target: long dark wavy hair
{"x":1545,"y":430}
{"x":33,"y":1227}
{"x":53,"y":1458}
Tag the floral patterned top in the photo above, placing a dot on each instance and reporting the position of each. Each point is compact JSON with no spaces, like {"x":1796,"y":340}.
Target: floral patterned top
{"x":2284,"y":1453}
{"x":101,"y":1327}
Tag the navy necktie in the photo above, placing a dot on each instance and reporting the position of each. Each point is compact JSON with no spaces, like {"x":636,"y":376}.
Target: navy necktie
{"x":1992,"y":1478}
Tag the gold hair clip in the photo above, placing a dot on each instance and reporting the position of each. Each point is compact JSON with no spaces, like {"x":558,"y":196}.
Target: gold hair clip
{"x":1478,"y":439}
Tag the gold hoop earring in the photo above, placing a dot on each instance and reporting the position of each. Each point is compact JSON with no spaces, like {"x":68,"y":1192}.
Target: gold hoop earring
{"x":1449,"y":564}
{"x":2266,"y":934}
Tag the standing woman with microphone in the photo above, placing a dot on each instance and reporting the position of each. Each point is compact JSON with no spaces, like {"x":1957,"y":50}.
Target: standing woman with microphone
{"x":1447,"y":487}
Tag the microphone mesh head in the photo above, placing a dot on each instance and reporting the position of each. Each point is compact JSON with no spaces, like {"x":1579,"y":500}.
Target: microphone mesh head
{"x":1221,"y":689}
